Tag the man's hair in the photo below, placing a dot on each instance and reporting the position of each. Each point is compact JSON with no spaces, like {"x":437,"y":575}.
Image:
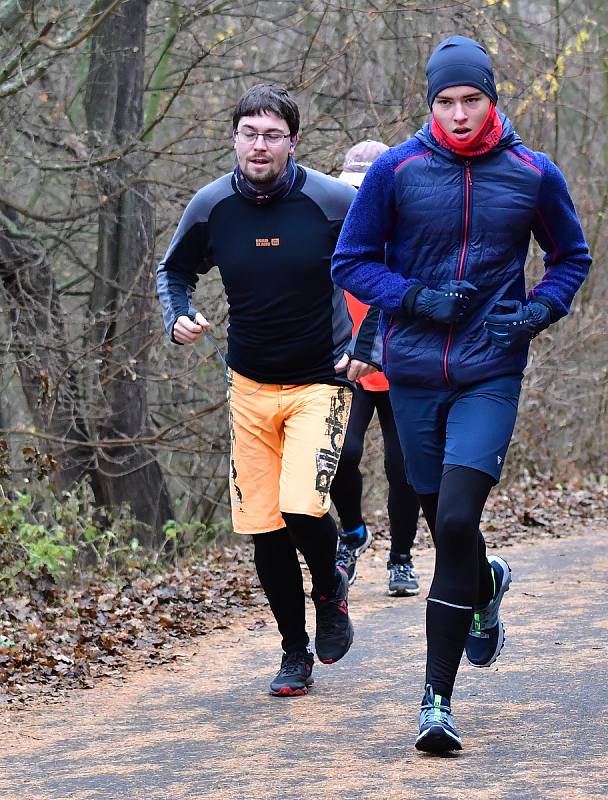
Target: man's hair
{"x":268,"y":97}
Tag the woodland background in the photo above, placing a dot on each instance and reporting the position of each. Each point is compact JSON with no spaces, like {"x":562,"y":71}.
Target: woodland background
{"x":113,"y":442}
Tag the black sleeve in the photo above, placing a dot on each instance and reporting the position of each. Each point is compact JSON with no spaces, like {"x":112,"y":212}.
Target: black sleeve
{"x":366,"y":344}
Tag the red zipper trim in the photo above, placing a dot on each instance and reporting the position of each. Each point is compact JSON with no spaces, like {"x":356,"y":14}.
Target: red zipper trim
{"x":467,"y":203}
{"x":461,"y":260}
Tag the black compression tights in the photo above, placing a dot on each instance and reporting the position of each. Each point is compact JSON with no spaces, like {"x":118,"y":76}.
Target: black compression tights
{"x":463,"y":577}
{"x":347,"y":486}
{"x":278,"y":568}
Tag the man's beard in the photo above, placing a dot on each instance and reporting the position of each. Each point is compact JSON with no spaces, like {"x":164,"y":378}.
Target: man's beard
{"x":266,"y":181}
{"x":273,"y":185}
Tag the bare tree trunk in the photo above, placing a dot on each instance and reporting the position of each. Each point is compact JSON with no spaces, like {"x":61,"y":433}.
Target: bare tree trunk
{"x":39,"y":347}
{"x":123,"y":287}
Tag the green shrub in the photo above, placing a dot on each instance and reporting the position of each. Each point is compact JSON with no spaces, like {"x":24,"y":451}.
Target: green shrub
{"x":69,"y":537}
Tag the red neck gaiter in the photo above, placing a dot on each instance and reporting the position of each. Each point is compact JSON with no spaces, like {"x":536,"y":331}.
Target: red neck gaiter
{"x":484,"y":140}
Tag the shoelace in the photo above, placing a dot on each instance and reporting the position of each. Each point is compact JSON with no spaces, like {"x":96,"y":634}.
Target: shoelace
{"x":485,"y":618}
{"x":292,"y":664}
{"x":328,"y":620}
{"x":476,"y":625}
{"x":482,"y":621}
{"x":344,"y":554}
{"x":488,"y":617}
{"x":429,"y":714}
{"x":403,"y":571}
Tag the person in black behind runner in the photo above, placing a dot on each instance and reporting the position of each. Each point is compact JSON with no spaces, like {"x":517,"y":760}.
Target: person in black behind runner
{"x":271,"y":227}
{"x":371,"y":394}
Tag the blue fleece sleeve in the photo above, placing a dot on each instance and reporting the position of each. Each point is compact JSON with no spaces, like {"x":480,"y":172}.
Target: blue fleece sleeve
{"x":558,"y":231}
{"x":358,"y":264}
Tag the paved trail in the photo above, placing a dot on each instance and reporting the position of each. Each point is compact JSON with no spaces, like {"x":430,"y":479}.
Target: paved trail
{"x":535,"y":725}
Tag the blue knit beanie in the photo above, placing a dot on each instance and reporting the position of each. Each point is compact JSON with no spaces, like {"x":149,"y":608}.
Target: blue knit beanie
{"x":459,"y":61}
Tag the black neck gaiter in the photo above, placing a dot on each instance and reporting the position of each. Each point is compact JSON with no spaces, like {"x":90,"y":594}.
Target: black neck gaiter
{"x":281,"y":187}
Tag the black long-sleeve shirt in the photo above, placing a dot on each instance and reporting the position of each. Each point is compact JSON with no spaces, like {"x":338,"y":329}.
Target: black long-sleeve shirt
{"x":288,"y":322}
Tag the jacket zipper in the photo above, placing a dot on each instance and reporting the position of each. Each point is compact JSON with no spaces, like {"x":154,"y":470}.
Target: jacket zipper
{"x":389,"y":333}
{"x":468,"y":183}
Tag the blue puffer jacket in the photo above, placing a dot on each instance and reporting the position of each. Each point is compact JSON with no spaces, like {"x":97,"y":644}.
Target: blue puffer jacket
{"x":425,"y":216}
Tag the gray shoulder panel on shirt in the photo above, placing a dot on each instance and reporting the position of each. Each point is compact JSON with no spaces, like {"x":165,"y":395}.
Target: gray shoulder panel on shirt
{"x":205,"y":199}
{"x":331,"y":195}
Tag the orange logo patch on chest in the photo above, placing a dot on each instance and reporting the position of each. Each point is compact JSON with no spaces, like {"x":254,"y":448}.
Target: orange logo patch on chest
{"x":275,"y":242}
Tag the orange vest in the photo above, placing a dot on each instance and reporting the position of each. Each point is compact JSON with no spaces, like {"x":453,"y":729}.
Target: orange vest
{"x":376,"y":382}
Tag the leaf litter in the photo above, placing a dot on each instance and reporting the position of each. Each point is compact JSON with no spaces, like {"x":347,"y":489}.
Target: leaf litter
{"x":54,"y":639}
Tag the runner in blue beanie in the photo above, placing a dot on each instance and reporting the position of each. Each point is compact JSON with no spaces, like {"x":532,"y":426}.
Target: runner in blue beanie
{"x":459,"y":61}
{"x":437,"y":238}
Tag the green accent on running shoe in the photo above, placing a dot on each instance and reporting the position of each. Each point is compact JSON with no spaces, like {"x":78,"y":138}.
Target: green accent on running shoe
{"x":487,"y":633}
{"x":437,"y":708}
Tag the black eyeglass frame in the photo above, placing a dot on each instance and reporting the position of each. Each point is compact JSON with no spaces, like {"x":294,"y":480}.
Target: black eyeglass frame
{"x":275,"y":141}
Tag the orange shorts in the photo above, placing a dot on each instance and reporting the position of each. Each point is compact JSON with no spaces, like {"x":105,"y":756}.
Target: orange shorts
{"x":285,"y":445}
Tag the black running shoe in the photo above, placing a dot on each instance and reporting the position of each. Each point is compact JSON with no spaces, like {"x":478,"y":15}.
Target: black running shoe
{"x":437,"y":731}
{"x":402,"y":578}
{"x":295,"y":675}
{"x":334,"y":634}
{"x":349,"y":549}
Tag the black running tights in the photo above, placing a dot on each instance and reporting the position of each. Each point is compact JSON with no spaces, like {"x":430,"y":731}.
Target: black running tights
{"x":463,"y":576}
{"x":278,"y":568}
{"x":347,"y":487}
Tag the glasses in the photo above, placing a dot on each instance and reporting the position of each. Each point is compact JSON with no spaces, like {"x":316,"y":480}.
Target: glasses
{"x":272,"y":139}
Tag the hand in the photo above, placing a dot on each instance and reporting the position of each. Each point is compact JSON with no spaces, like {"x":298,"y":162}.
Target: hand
{"x":359,"y":369}
{"x":512,"y":324}
{"x":448,"y":304}
{"x":355,"y":369}
{"x":187,"y":330}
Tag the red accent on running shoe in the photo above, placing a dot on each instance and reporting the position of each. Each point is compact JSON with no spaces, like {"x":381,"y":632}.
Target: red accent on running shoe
{"x":287,"y":691}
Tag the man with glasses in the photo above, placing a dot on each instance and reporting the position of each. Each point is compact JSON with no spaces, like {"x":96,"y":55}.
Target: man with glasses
{"x":271,"y":227}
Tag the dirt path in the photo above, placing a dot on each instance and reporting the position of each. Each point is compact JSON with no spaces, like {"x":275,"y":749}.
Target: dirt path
{"x":534,"y":726}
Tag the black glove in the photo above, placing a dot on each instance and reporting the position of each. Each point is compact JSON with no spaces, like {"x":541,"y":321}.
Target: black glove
{"x":448,"y":304}
{"x":512,"y":324}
